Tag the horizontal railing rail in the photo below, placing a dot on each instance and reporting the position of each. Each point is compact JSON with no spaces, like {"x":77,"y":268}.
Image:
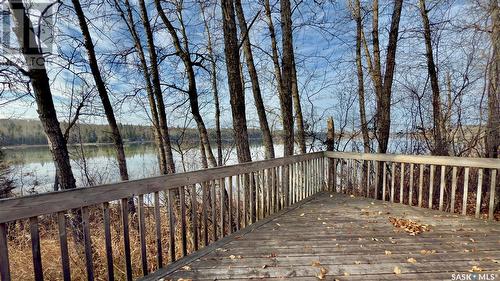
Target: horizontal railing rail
{"x":411,"y":180}
{"x":129,"y":229}
{"x":53,"y":202}
{"x":420,"y":159}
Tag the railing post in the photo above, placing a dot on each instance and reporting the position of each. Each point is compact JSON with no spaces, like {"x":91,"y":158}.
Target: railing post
{"x":331,"y":165}
{"x":286,"y":184}
{"x":4,"y":254}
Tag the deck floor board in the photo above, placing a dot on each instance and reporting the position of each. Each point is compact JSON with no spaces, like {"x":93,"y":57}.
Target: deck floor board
{"x":352,"y":239}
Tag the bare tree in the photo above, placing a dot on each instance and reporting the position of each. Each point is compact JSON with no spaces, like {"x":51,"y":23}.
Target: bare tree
{"x":155,"y":78}
{"x":36,"y":71}
{"x":213,"y":81}
{"x":440,"y":146}
{"x":159,"y":140}
{"x":184,"y":54}
{"x":383,"y":86}
{"x":101,"y":88}
{"x":359,"y":67}
{"x":237,"y":97}
{"x":259,"y":103}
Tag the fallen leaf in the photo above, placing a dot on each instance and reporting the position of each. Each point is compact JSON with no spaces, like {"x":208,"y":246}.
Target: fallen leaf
{"x":411,"y":260}
{"x":397,"y":270}
{"x":427,"y":252}
{"x":322,"y":273}
{"x":186,"y":267}
{"x":388,"y":252}
{"x":475,"y":268}
{"x":411,"y":227}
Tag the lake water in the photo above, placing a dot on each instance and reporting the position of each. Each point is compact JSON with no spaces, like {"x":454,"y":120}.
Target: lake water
{"x":33,"y":169}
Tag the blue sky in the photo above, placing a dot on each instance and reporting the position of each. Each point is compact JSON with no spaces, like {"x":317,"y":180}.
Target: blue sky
{"x":324,"y":48}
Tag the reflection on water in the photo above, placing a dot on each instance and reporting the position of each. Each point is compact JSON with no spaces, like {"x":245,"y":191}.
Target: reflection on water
{"x":34,"y":171}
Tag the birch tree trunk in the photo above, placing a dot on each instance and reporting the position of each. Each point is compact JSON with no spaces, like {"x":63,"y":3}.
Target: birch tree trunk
{"x":440,"y":146}
{"x":37,"y":72}
{"x":259,"y":103}
{"x":237,"y":97}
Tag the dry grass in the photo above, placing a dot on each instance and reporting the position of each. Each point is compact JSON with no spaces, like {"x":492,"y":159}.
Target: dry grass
{"x":21,"y":257}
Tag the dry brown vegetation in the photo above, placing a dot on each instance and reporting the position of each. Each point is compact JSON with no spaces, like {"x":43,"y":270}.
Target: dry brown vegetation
{"x":20,"y":245}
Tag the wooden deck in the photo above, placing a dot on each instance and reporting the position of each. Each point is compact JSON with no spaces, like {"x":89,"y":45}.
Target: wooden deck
{"x":348,"y":238}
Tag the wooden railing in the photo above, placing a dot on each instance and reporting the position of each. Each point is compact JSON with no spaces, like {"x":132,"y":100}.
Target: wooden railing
{"x":97,"y":233}
{"x":97,"y":229}
{"x":412,"y":180}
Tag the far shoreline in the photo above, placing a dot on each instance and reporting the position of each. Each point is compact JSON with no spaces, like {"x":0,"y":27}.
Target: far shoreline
{"x":21,"y":146}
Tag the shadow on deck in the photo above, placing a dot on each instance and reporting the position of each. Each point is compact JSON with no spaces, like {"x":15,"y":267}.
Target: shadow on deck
{"x":340,"y":237}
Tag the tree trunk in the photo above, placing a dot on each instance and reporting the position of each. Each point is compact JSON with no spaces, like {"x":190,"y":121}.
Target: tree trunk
{"x":157,"y":89}
{"x":384,"y":102}
{"x":493,"y":127}
{"x":103,"y":93}
{"x":361,"y":87}
{"x":204,"y":162}
{"x":383,"y":89}
{"x":35,"y":62}
{"x":299,"y":118}
{"x":237,"y":98}
{"x":274,"y":47}
{"x":330,"y":134}
{"x":286,"y":77}
{"x":215,"y":90}
{"x":259,"y":103}
{"x":184,"y":55}
{"x":440,"y":146}
{"x":129,"y":20}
